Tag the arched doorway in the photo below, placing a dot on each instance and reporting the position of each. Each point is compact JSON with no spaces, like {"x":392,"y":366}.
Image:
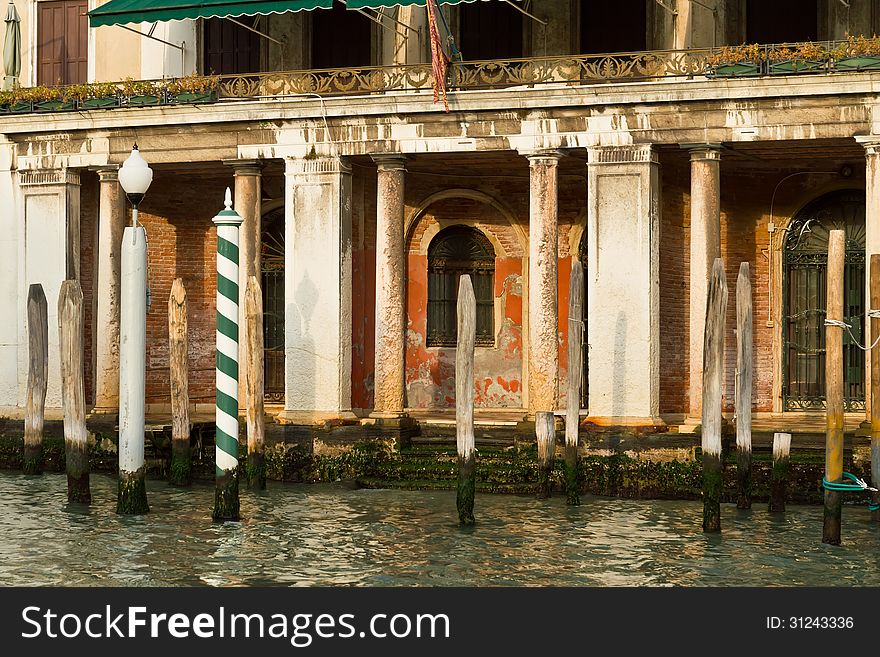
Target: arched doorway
{"x":805,"y":258}
{"x":585,"y":379}
{"x":272,"y":280}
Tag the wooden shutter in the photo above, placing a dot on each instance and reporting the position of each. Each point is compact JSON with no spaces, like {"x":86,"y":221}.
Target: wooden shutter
{"x":230,"y":49}
{"x":62,"y":42}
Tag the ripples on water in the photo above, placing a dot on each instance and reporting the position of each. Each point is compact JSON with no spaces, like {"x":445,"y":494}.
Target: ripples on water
{"x":301,"y":535}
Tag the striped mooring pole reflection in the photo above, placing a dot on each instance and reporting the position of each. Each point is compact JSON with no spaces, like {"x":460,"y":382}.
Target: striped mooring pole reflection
{"x":226,"y":502}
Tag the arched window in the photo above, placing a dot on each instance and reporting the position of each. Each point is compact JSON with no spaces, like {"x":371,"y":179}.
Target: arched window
{"x":805,"y":265}
{"x":455,"y":251}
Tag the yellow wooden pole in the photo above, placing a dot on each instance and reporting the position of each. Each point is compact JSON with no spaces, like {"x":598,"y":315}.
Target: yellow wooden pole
{"x":834,"y":385}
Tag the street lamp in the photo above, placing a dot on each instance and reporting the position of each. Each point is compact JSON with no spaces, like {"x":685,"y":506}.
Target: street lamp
{"x":135,"y":177}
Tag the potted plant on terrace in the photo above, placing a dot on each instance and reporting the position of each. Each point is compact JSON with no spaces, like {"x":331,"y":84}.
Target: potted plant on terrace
{"x":19,"y":101}
{"x":857,"y":54}
{"x":193,"y":89}
{"x":92,"y":96}
{"x":6,"y":100}
{"x":47,"y":99}
{"x":735,"y":61}
{"x":801,"y":58}
{"x":143,"y":92}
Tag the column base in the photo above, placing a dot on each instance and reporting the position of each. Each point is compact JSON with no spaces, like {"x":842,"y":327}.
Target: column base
{"x":399,"y":426}
{"x":691,"y":424}
{"x":646,"y":424}
{"x":317,"y":418}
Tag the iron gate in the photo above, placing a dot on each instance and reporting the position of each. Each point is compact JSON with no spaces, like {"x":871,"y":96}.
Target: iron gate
{"x":272,"y":274}
{"x":805,"y":260}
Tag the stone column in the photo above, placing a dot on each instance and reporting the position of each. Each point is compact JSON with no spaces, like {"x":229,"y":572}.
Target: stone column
{"x":111,"y":223}
{"x":317,"y":291}
{"x":390,"y":288}
{"x":246,"y":201}
{"x":623,"y":331}
{"x":705,"y":246}
{"x":543,"y":290}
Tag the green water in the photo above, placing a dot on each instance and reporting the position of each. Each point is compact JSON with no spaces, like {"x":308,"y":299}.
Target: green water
{"x":301,"y":535}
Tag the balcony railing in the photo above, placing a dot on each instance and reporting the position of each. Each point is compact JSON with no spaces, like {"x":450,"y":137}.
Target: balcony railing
{"x":489,"y":74}
{"x":855,"y":54}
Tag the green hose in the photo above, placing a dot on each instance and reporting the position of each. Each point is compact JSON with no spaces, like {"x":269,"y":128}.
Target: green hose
{"x":856,"y":486}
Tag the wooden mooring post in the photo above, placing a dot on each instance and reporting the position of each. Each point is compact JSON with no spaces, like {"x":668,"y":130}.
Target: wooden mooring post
{"x":464,"y":400}
{"x":253,"y":381}
{"x":76,"y":446}
{"x":779,"y":475}
{"x":38,"y":376}
{"x":875,"y":387}
{"x":834,"y":385}
{"x":181,"y":454}
{"x":743,"y":401}
{"x":713,"y":366}
{"x":545,"y":432}
{"x":575,"y":369}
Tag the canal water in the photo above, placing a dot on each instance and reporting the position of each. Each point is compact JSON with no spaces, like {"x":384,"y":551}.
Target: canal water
{"x":302,"y":535}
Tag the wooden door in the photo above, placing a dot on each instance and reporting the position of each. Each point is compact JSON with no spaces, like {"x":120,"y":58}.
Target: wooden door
{"x":230,"y":49}
{"x":62,"y":42}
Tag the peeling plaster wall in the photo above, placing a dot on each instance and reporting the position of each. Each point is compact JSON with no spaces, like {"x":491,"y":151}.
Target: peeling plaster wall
{"x":498,"y":370}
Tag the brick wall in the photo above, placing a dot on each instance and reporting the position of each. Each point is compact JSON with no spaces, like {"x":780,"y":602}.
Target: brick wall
{"x":363,"y":297}
{"x":182,"y":242}
{"x":674,"y":283}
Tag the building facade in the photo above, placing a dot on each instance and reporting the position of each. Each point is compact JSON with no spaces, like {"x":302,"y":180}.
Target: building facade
{"x":592,"y":129}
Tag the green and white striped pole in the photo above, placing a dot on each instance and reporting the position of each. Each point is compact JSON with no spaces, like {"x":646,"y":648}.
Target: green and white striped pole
{"x":226,"y":503}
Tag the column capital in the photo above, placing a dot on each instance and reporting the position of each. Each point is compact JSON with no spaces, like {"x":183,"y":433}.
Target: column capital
{"x":707,"y":151}
{"x":243,"y":167}
{"x":871,"y":144}
{"x":299,"y":166}
{"x":629,"y":154}
{"x":28,"y":177}
{"x":548,"y":157}
{"x":108,"y":172}
{"x":390,"y":161}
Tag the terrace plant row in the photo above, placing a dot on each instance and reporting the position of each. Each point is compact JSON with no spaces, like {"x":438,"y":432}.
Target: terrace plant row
{"x":129,"y":93}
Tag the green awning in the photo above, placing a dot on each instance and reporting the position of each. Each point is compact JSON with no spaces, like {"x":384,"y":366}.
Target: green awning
{"x":120,"y":12}
{"x":377,"y":4}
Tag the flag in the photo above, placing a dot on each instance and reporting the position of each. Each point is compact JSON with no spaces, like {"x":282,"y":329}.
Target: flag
{"x":438,"y":57}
